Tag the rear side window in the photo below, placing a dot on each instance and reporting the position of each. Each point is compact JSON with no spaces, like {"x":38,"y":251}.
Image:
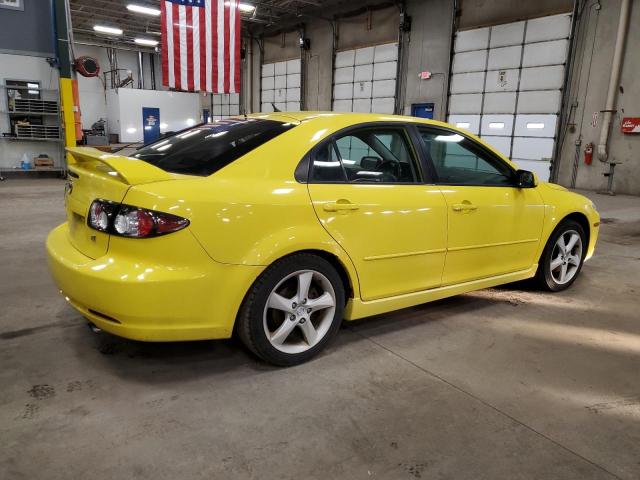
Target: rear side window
{"x":205,"y":149}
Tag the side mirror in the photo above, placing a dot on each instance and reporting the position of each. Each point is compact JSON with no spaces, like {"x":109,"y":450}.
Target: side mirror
{"x":525,"y":179}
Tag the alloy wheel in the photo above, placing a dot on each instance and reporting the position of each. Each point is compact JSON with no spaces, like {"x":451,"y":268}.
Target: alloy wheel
{"x":299,"y":311}
{"x":566,"y":257}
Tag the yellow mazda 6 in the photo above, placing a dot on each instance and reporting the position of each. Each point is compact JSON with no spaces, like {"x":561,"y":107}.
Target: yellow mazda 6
{"x":276,"y":227}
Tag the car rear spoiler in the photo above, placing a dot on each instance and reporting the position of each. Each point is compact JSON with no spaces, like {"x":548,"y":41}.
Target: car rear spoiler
{"x":129,"y":170}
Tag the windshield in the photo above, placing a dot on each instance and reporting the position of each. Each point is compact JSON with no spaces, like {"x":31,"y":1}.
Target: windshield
{"x":205,"y":149}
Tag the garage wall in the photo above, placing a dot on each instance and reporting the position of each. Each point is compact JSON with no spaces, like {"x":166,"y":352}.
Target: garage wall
{"x":596,"y":33}
{"x":506,"y":86}
{"x":427,"y":48}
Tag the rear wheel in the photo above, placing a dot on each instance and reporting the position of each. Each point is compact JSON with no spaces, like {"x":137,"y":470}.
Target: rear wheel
{"x":293,"y":310}
{"x":563,"y":256}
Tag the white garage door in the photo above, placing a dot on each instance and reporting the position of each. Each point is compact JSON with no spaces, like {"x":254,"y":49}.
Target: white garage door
{"x":281,"y":86}
{"x":225,"y":105}
{"x":364,"y":79}
{"x":506,"y":86}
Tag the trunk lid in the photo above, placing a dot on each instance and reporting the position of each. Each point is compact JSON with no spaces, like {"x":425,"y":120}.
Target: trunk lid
{"x":94,"y":174}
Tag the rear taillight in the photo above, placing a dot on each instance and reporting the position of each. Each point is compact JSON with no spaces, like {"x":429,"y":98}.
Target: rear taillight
{"x":134,"y":222}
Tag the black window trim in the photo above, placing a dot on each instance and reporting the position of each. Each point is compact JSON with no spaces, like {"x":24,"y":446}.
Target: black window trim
{"x":485,"y":154}
{"x":303,"y":170}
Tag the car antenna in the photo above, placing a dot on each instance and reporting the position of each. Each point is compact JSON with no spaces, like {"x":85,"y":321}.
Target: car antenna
{"x":275,"y":109}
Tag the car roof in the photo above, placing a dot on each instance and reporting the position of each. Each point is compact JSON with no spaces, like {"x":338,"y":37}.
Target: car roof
{"x":349,"y":116}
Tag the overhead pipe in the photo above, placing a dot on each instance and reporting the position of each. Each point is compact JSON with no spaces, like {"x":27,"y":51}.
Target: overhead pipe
{"x":614,"y":80}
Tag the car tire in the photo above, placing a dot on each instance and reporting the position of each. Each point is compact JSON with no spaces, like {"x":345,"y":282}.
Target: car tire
{"x":558,"y":269}
{"x":280,"y":327}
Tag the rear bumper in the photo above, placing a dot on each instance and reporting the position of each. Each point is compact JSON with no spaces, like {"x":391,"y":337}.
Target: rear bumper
{"x":159,"y":290}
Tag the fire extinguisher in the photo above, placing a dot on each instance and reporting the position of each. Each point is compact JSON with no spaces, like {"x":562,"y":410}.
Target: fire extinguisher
{"x":588,"y":154}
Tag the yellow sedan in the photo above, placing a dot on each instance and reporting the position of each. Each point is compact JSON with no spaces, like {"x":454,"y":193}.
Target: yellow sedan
{"x":275,"y":227}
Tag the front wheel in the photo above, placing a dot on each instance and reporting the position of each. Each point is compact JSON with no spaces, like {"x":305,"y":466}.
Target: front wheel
{"x":563,"y":256}
{"x":293,"y":310}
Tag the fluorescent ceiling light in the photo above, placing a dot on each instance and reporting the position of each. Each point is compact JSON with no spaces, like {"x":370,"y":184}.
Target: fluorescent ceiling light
{"x":535,"y":125}
{"x":145,"y":10}
{"x":463,"y":124}
{"x":243,"y":7}
{"x":33,"y":85}
{"x":109,"y":30}
{"x":146,"y":41}
{"x":497,"y":125}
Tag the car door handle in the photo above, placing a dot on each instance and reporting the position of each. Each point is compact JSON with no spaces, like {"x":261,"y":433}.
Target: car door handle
{"x":340,"y":206}
{"x":463,"y":207}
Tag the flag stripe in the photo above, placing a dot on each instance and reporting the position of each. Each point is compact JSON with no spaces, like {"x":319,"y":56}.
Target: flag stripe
{"x":236,"y":53}
{"x":221,"y":46}
{"x":227,"y":38}
{"x":209,"y":45}
{"x":189,"y":56}
{"x":202,"y":50}
{"x":175,"y":26}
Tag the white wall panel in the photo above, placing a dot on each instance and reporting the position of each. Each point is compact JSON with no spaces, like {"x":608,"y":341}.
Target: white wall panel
{"x":471,"y":40}
{"x":266,"y":108}
{"x":343,"y":75}
{"x":474,"y":61}
{"x":385,"y":71}
{"x":496,"y":125}
{"x":542,"y":78}
{"x":382,"y":105}
{"x":280,"y":68}
{"x":268,"y":83}
{"x":362,"y":105}
{"x":530,"y":148}
{"x":293,"y":66}
{"x":268,"y":96}
{"x":293,"y":80}
{"x":502,"y":144}
{"x":386,"y":53}
{"x":505,"y":57}
{"x":502,"y":80}
{"x":540,"y":168}
{"x":384,"y":88}
{"x":465,"y":103}
{"x":364,"y":55}
{"x":363,"y":73}
{"x":545,"y":53}
{"x":280,"y":81}
{"x":268,"y":70}
{"x":280,"y":95}
{"x":470,"y":123}
{"x":345,"y":59}
{"x":362,"y":90}
{"x":292,"y":106}
{"x":343,"y":91}
{"x":293,"y":95}
{"x":342,"y":105}
{"x":500,"y":102}
{"x":539,"y":101}
{"x":548,"y":28}
{"x":535,"y":125}
{"x":507,"y":34}
{"x":467,"y":82}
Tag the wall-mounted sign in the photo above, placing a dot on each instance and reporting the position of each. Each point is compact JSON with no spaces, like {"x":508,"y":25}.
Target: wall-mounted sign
{"x":424,"y":75}
{"x":630,"y":125}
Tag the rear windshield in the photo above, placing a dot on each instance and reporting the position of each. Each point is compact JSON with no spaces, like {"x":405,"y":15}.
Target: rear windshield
{"x":205,"y":149}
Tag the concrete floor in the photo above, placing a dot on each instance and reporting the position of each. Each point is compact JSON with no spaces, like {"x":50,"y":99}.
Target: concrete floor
{"x":502,"y":383}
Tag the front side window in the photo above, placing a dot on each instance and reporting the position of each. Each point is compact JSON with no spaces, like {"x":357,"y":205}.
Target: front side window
{"x":461,"y":161}
{"x":371,"y":155}
{"x":205,"y":149}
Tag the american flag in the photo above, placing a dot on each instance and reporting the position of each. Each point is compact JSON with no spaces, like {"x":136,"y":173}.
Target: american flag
{"x":201,"y":45}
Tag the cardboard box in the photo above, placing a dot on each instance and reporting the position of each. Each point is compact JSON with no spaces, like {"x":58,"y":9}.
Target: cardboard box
{"x":40,"y":162}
